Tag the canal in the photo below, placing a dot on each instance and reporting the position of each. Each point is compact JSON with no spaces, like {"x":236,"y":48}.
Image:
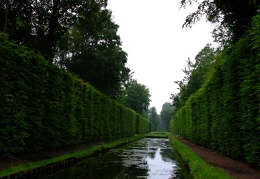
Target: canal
{"x":148,"y":158}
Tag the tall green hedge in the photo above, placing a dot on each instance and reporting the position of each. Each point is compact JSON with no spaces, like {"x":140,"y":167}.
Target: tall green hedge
{"x":224,"y":114}
{"x":43,"y":107}
{"x":143,"y":125}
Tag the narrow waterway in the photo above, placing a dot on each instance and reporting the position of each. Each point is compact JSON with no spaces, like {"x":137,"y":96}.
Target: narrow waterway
{"x":145,"y":159}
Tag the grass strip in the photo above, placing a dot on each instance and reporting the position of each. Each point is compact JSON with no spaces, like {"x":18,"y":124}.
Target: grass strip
{"x":157,"y":135}
{"x":79,"y":155}
{"x":198,"y":168}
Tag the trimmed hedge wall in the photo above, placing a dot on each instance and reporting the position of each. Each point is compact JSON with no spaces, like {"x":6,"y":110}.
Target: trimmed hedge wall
{"x":43,"y":107}
{"x":224,"y":114}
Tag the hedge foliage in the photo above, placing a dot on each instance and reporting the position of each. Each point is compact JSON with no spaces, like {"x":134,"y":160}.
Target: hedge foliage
{"x":43,"y":107}
{"x":224,"y":114}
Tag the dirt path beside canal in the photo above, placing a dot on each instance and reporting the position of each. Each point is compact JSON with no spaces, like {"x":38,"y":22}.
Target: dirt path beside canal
{"x":237,"y":169}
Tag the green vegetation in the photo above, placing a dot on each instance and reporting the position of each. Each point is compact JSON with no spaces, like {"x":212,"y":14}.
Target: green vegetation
{"x":198,"y":167}
{"x":166,"y":115}
{"x":44,"y":107}
{"x":157,"y":135}
{"x":79,"y":155}
{"x":223,"y":114}
{"x":230,"y":23}
{"x":79,"y":36}
{"x":154,"y":118}
{"x":137,"y":97}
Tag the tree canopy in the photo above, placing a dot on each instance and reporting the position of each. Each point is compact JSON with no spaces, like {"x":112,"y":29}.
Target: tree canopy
{"x":137,"y":96}
{"x":78,"y":35}
{"x":39,"y":24}
{"x":93,"y":51}
{"x":232,"y":17}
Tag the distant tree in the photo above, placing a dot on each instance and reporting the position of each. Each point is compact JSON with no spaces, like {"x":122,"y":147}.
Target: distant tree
{"x":232,"y":17}
{"x":154,"y":118}
{"x":166,"y":115}
{"x":137,"y":96}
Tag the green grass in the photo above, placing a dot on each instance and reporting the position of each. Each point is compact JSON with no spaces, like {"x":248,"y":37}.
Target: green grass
{"x":157,"y":135}
{"x":198,"y":167}
{"x":79,"y":155}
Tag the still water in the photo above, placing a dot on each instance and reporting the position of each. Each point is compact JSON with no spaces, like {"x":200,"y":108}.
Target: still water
{"x":144,"y":159}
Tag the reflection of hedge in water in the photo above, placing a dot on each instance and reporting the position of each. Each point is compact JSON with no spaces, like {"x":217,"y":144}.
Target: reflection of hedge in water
{"x":224,"y":114}
{"x":44,"y":107}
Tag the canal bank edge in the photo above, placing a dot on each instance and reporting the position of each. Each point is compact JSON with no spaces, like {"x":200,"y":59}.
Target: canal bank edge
{"x":197,"y":167}
{"x":48,"y":166}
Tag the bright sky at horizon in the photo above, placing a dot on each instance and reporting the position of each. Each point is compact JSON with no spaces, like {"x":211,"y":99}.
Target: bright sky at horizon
{"x":157,"y":46}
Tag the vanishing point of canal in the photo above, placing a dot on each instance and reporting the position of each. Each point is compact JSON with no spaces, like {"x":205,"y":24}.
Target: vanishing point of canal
{"x":148,"y":158}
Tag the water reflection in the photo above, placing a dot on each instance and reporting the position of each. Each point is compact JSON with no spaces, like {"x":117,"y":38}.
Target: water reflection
{"x":144,"y":159}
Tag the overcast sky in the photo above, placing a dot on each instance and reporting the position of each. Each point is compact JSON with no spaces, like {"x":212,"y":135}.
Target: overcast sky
{"x":157,"y":46}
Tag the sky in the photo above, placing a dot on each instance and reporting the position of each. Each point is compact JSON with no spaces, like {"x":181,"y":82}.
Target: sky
{"x":157,"y":46}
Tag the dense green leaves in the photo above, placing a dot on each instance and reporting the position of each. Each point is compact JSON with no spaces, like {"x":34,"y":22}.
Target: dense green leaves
{"x":195,"y":75}
{"x":166,"y":115}
{"x":77,"y":35}
{"x":92,"y":50}
{"x":39,"y":24}
{"x":43,"y":107}
{"x":137,"y":97}
{"x":231,"y":22}
{"x":224,"y":113}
